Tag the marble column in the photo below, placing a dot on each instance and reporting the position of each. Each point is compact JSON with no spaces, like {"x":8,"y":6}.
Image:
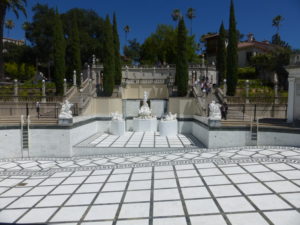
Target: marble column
{"x":291,"y":101}
{"x":16,"y":90}
{"x":276,"y":92}
{"x":81,"y":78}
{"x":65,"y":87}
{"x":225,"y":88}
{"x":247,"y":91}
{"x":74,"y":78}
{"x":43,"y":91}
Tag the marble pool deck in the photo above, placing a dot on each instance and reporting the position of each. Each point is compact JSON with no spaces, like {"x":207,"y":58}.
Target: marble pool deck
{"x":230,"y":186}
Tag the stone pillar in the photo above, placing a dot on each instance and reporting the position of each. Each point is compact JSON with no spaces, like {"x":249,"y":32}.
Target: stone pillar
{"x":43,"y":91}
{"x":89,"y":72}
{"x":65,"y":87}
{"x":247,"y":91}
{"x":16,"y":90}
{"x":276,"y":92}
{"x":94,"y":61}
{"x":225,"y":88}
{"x":81,"y":78}
{"x":291,"y":101}
{"x":74,"y":78}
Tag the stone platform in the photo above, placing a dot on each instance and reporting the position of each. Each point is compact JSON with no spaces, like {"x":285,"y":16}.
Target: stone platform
{"x":132,"y":142}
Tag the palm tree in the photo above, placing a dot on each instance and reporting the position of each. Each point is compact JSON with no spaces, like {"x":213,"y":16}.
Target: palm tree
{"x":15,"y":6}
{"x":127,"y":30}
{"x":176,"y":15}
{"x":277,"y":21}
{"x":9,"y":25}
{"x":191,"y":14}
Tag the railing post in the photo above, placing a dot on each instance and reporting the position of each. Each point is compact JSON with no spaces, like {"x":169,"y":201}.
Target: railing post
{"x":16,"y":90}
{"x":81,"y":79}
{"x":43,"y":91}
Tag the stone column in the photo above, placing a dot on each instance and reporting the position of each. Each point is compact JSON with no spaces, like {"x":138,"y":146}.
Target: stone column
{"x":94,"y":61}
{"x":291,"y":101}
{"x":65,"y":87}
{"x":74,"y":78}
{"x":90,"y":86}
{"x":89,"y":72}
{"x":225,"y":88}
{"x":43,"y":91}
{"x":16,"y":90}
{"x":276,"y":92}
{"x":81,"y":78}
{"x":247,"y":91}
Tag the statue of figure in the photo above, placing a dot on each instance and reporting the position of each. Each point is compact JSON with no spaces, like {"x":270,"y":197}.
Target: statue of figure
{"x":214,"y":111}
{"x":65,"y":111}
{"x":117,"y":116}
{"x":170,"y":117}
{"x":145,"y":112}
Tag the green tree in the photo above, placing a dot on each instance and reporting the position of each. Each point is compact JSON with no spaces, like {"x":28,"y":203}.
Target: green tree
{"x":232,"y":57}
{"x":132,"y":51}
{"x":181,"y":77}
{"x":176,"y":15}
{"x":191,"y":14}
{"x":59,"y":54}
{"x":109,"y":59}
{"x":40,"y":32}
{"x":221,"y":54}
{"x":118,"y":69}
{"x":9,"y":25}
{"x":277,"y":22}
{"x":159,"y":47}
{"x":126,"y":30}
{"x":15,"y":6}
{"x":75,"y":49}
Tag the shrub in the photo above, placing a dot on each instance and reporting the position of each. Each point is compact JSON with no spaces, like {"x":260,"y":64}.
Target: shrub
{"x":247,"y":73}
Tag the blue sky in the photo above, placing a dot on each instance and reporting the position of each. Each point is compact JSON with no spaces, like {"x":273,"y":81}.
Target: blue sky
{"x":142,"y":16}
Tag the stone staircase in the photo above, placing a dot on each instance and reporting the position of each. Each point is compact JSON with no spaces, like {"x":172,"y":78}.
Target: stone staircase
{"x":16,"y":121}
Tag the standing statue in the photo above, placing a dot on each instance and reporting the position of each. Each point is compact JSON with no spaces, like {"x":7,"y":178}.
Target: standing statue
{"x":215,"y":111}
{"x":66,"y":112}
{"x":145,"y":112}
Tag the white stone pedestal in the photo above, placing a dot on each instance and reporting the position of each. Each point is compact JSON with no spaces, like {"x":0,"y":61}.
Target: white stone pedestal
{"x":118,"y":127}
{"x":168,"y":128}
{"x":144,"y":125}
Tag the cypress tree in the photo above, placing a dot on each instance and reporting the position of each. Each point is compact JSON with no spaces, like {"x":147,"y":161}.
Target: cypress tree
{"x":109,"y":59}
{"x":59,"y":54}
{"x":181,"y":61}
{"x":221,"y":54}
{"x":75,"y":48}
{"x":232,"y":56}
{"x":118,"y":69}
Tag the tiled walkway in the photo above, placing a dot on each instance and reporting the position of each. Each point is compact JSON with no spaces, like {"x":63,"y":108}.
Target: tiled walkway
{"x":237,"y":186}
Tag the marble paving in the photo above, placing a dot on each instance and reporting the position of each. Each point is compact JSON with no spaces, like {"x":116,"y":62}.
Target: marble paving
{"x":140,"y":140}
{"x":233,"y":186}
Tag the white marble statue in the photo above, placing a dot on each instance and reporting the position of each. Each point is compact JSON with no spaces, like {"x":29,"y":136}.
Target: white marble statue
{"x":117,"y":116}
{"x":65,"y":111}
{"x":145,"y":112}
{"x":170,"y":117}
{"x":215,"y":111}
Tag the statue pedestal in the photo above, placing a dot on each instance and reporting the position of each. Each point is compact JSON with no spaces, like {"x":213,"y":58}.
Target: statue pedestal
{"x":144,"y":125}
{"x":118,"y":127}
{"x":214,"y":123}
{"x":65,"y":121}
{"x":168,"y":128}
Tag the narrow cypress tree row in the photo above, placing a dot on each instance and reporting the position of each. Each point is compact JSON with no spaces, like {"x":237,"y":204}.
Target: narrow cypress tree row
{"x":75,"y":48}
{"x":221,"y":54}
{"x":118,"y":69}
{"x":181,"y":61}
{"x":232,"y":57}
{"x":59,"y":54}
{"x":109,"y":59}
